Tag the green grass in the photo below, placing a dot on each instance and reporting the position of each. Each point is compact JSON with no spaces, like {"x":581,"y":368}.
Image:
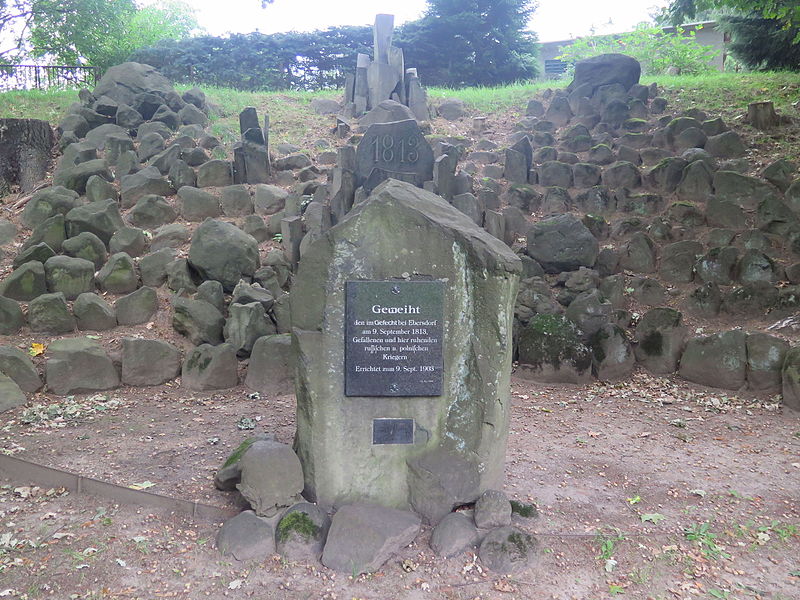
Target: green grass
{"x":291,"y":120}
{"x":728,"y":94}
{"x":35,"y":104}
{"x":491,"y":99}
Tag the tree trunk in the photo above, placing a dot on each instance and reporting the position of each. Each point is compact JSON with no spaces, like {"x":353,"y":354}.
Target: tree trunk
{"x":762,"y":115}
{"x":26,"y":147}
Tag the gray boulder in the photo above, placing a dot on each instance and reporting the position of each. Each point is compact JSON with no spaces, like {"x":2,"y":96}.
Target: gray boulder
{"x":49,"y":313}
{"x":197,"y":205}
{"x":612,"y":355}
{"x":18,"y":366}
{"x":123,"y":82}
{"x":766,"y":355}
{"x":48,"y":202}
{"x":11,"y":317}
{"x":92,"y":313}
{"x":492,"y":510}
{"x":153,"y":267}
{"x":40,"y":252}
{"x":660,"y":337}
{"x":130,"y":240}
{"x":211,"y":291}
{"x":210,"y":367}
{"x":25,"y":283}
{"x":718,"y":360}
{"x":152,"y":211}
{"x":678,"y":260}
{"x":88,"y":246}
{"x":149,"y":362}
{"x":51,"y":232}
{"x":214,"y":173}
{"x":223,"y":252}
{"x":453,"y":535}
{"x":70,"y":276}
{"x":590,"y":312}
{"x":269,"y":199}
{"x":247,"y":537}
{"x":143,"y":183}
{"x":387,"y":111}
{"x":137,"y":307}
{"x":77,"y":365}
{"x":639,"y":254}
{"x":272,"y":477}
{"x":75,"y":177}
{"x":118,"y":276}
{"x":101,"y":218}
{"x":562,"y":243}
{"x":507,"y":550}
{"x":11,"y":395}
{"x":605,"y":69}
{"x":362,"y":537}
{"x":271,"y":368}
{"x":245,"y":324}
{"x":551,"y":351}
{"x":236,"y":201}
{"x":197,"y":320}
{"x":791,"y":379}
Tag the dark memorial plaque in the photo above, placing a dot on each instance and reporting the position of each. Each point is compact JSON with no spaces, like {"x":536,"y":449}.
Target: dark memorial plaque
{"x":393,"y":338}
{"x":396,"y":150}
{"x":392,"y":431}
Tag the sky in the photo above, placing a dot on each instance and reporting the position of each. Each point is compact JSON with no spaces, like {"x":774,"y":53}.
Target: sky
{"x":554,"y":20}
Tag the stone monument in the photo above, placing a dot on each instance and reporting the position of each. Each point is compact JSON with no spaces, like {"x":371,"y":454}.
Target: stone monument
{"x":384,"y":77}
{"x":402,"y":317}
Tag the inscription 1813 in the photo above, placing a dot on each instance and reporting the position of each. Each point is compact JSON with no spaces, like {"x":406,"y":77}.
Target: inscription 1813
{"x":393,"y":338}
{"x":395,"y":150}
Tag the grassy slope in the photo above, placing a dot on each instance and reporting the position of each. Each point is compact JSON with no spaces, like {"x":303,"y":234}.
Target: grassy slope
{"x":725,"y":94}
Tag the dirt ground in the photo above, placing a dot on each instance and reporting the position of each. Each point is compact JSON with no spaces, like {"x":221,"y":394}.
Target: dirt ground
{"x":648,"y":488}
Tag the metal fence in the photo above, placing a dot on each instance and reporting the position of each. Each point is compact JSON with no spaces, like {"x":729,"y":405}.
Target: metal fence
{"x":38,"y":77}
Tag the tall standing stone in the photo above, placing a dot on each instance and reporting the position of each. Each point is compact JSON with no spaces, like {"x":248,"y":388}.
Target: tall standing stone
{"x":360,"y":441}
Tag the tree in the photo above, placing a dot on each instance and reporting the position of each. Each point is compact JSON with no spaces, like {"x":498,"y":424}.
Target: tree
{"x":785,"y":12}
{"x":655,"y":49}
{"x":95,"y":32}
{"x":471,"y":42}
{"x":763,"y":44}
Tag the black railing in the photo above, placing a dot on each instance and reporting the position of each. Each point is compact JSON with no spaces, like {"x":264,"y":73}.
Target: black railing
{"x":38,"y":77}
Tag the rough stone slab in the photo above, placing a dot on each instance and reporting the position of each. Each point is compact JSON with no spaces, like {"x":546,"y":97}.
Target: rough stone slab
{"x":11,"y":395}
{"x":149,"y":362}
{"x":18,"y":366}
{"x":246,"y":537}
{"x":79,"y":365}
{"x":362,"y":537}
{"x":272,"y":477}
{"x":271,"y":368}
{"x":210,"y":367}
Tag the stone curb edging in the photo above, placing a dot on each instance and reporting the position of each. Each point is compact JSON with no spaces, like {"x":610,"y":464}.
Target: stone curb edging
{"x":17,"y":468}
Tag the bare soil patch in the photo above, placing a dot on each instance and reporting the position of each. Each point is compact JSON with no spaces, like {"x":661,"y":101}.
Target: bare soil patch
{"x":620,"y":473}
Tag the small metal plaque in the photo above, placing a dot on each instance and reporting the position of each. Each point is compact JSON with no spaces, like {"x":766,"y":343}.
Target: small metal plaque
{"x":393,"y":338}
{"x":392,"y":431}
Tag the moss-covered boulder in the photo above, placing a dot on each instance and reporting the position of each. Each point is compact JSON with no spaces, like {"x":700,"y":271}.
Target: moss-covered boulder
{"x":551,"y":351}
{"x":660,"y":337}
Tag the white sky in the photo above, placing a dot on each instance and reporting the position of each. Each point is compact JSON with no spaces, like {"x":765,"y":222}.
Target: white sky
{"x":553,"y":20}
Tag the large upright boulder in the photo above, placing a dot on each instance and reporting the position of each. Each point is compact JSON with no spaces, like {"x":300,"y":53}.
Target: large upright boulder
{"x":223,"y":252}
{"x":562,"y":243}
{"x":467,"y":415}
{"x":123,"y":82}
{"x":78,"y":365}
{"x":605,"y":69}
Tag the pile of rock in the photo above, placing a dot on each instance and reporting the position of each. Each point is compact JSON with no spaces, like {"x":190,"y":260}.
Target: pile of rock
{"x":360,"y":537}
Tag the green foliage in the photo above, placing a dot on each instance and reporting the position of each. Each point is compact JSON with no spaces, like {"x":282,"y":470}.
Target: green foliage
{"x":527,"y":511}
{"x":785,"y":12}
{"x":706,"y":539}
{"x":763,"y":44}
{"x":297,"y":522}
{"x":255,"y":61}
{"x":476,"y":42}
{"x":237,"y":454}
{"x":96,"y":32}
{"x":655,"y":49}
{"x":607,"y":541}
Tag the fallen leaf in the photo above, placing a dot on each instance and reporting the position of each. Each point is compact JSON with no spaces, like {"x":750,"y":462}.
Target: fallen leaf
{"x":141,"y":486}
{"x":652,"y":517}
{"x":235,"y":584}
{"x":36,"y":349}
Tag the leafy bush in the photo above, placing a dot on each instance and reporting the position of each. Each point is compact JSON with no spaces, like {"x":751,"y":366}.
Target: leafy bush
{"x":655,"y":49}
